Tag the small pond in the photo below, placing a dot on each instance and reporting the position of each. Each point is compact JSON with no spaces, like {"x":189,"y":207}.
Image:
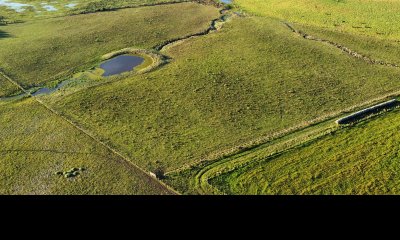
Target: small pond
{"x":120,"y":64}
{"x":226,"y":1}
{"x":37,"y":6}
{"x":48,"y":7}
{"x":18,"y":7}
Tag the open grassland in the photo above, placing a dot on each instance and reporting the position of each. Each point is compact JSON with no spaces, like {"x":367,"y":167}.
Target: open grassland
{"x":361,"y":159}
{"x":252,"y":78}
{"x":378,"y":18}
{"x":368,"y":27}
{"x":7,"y":88}
{"x":385,"y":50}
{"x":35,"y":144}
{"x":38,"y":52}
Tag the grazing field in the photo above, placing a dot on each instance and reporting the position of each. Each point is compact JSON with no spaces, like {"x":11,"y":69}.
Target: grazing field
{"x":252,"y":78}
{"x":377,"y":18}
{"x":239,"y":101}
{"x":36,"y":144}
{"x":60,"y":46}
{"x":360,"y":159}
{"x":385,"y":50}
{"x":7,"y":88}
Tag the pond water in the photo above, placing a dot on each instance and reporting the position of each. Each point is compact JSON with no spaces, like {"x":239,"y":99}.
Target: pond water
{"x":21,"y":7}
{"x":48,"y":7}
{"x":18,"y":7}
{"x":226,"y":1}
{"x":46,"y":90}
{"x":71,"y":5}
{"x":120,"y":64}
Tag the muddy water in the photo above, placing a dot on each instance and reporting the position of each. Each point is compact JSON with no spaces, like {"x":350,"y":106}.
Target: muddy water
{"x":120,"y":64}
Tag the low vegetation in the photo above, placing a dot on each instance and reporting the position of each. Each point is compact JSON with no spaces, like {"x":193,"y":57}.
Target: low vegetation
{"x":7,"y":89}
{"x":244,"y":107}
{"x":361,"y":159}
{"x":376,"y":18}
{"x":35,"y":144}
{"x":62,"y":46}
{"x":203,"y":101}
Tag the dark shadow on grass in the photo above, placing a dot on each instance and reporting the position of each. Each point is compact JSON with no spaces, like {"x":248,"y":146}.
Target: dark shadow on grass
{"x":4,"y":34}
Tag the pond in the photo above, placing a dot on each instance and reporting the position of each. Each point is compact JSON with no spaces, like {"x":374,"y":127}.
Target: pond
{"x":120,"y":64}
{"x":37,"y":6}
{"x":48,"y":7}
{"x":226,"y":1}
{"x":18,"y":7}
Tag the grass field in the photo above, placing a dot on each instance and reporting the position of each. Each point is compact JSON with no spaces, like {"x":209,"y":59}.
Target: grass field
{"x":386,"y":50}
{"x":377,"y":18}
{"x":361,"y":159}
{"x":35,"y":144}
{"x":251,"y":79}
{"x":6,"y":88}
{"x":76,"y":43}
{"x":203,"y":102}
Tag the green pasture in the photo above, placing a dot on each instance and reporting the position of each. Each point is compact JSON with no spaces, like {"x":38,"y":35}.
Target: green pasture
{"x":252,"y":78}
{"x":37,"y":52}
{"x":36,"y":144}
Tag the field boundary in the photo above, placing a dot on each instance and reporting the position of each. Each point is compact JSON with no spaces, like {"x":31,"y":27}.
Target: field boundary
{"x":87,"y":133}
{"x":344,"y":49}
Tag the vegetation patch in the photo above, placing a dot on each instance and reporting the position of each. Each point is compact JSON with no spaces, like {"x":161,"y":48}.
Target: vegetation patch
{"x":73,"y":172}
{"x":204,"y":101}
{"x":40,"y":143}
{"x":67,"y":45}
{"x":361,"y":159}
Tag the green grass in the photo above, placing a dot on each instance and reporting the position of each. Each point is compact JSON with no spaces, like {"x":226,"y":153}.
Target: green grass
{"x":7,"y":89}
{"x":252,"y":78}
{"x":76,"y":43}
{"x":379,"y":49}
{"x":377,"y":18}
{"x":361,"y":159}
{"x":36,"y":144}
